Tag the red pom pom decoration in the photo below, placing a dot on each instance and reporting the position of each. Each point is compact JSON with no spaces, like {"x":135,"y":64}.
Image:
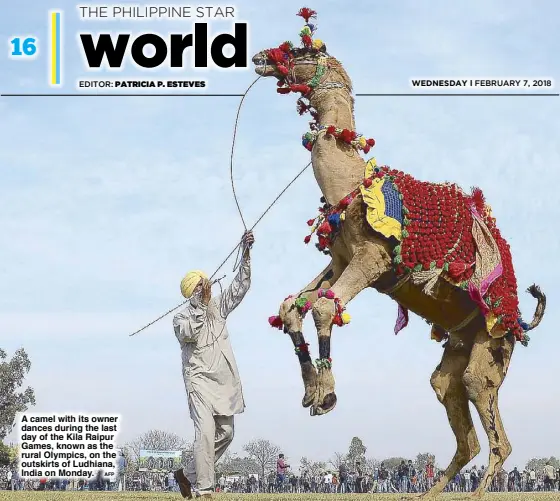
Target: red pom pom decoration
{"x":306,"y":13}
{"x":307,"y":41}
{"x":276,"y":322}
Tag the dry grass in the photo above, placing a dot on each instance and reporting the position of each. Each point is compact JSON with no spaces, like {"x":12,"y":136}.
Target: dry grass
{"x":161,"y":496}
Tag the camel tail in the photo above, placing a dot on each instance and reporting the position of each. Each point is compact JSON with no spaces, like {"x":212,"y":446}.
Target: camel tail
{"x":536,"y":292}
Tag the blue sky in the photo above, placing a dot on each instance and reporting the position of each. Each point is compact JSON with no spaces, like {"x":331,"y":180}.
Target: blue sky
{"x":105,"y":203}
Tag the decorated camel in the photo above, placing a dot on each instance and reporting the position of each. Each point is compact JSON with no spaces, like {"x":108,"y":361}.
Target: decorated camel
{"x":433,"y":248}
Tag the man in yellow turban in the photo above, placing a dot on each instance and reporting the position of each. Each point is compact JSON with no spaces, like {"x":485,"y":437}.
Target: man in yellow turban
{"x":210,"y":372}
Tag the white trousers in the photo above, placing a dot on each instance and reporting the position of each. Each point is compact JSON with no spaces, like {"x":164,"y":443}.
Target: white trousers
{"x":212,"y":436}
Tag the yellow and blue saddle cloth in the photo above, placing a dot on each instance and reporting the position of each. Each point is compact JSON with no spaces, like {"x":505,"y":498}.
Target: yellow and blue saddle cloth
{"x":384,"y":206}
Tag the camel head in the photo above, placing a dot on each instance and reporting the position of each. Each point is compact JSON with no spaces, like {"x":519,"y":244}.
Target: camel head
{"x":286,"y":62}
{"x":301,"y":69}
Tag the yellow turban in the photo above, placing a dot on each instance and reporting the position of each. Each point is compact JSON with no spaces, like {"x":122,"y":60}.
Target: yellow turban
{"x":189,"y":283}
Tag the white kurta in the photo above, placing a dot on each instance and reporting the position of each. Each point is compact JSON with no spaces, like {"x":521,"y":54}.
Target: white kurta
{"x":209,"y":368}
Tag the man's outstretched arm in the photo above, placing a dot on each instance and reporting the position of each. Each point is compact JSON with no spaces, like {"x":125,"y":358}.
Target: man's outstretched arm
{"x":234,"y":294}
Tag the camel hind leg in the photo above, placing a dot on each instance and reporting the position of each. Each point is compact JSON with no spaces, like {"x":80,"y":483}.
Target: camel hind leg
{"x":483,"y":378}
{"x":447,"y":382}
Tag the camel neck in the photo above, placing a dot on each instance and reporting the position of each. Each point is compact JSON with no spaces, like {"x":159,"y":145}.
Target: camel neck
{"x":334,"y":107}
{"x":338,"y":167}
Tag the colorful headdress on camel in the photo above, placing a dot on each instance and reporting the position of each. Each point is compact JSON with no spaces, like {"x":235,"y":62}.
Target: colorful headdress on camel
{"x":309,"y":29}
{"x":284,"y":56}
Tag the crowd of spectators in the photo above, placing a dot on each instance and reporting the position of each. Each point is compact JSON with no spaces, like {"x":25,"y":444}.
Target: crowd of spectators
{"x":404,"y":478}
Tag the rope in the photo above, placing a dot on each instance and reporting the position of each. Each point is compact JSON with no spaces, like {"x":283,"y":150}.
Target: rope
{"x":238,"y":208}
{"x":233,"y":250}
{"x":232,"y":150}
{"x":237,"y":261}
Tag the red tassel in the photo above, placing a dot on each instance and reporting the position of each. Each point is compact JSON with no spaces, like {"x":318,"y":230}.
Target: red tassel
{"x":346,"y":136}
{"x":331,"y":129}
{"x":303,"y":348}
{"x":325,"y":228}
{"x":344,"y":203}
{"x":337,"y":320}
{"x":276,"y":321}
{"x":366,"y":148}
{"x":478,"y":199}
{"x":307,"y":239}
{"x":310,"y":222}
{"x":275,"y":55}
{"x":285,"y":47}
{"x":282,"y":69}
{"x":371,"y":142}
{"x":306,"y":13}
{"x":304,"y":89}
{"x":306,"y":39}
{"x":324,"y":242}
{"x":283,"y":90}
{"x":367,"y":182}
{"x":301,"y":107}
{"x":456,"y":269}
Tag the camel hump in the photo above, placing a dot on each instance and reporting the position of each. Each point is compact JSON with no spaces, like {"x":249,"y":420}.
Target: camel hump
{"x":536,"y":292}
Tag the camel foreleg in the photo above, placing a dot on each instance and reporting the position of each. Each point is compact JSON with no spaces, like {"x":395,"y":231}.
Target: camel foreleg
{"x":367,"y":265}
{"x":292,"y":313}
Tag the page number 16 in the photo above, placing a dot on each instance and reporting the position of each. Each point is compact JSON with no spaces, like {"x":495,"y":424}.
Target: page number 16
{"x":26,"y":48}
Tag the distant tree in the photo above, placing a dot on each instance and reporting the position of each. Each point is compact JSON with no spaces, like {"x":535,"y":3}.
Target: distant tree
{"x":304,"y":465}
{"x":232,"y":464}
{"x":337,"y":460}
{"x":538,"y":464}
{"x":356,"y":451}
{"x":4,"y":454}
{"x":8,"y":454}
{"x":392,"y":463}
{"x":313,"y":468}
{"x":371,"y":464}
{"x":422,"y":460}
{"x":264,"y":453}
{"x":12,"y":401}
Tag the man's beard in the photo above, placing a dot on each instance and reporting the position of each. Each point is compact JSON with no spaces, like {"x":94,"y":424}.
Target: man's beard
{"x":195,"y":299}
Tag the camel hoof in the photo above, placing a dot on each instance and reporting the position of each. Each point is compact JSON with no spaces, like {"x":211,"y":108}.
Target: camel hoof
{"x":328,"y":404}
{"x":307,"y":401}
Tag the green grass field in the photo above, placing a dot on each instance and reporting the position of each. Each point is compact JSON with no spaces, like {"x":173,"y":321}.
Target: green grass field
{"x":160,"y":496}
